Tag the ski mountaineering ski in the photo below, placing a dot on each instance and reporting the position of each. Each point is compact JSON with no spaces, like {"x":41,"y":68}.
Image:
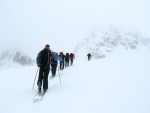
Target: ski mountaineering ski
{"x":38,"y":97}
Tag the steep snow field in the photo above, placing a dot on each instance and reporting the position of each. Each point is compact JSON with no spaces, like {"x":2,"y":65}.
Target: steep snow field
{"x":119,"y":83}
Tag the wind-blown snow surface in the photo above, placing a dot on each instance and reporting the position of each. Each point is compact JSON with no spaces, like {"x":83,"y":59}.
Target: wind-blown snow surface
{"x":117,"y":84}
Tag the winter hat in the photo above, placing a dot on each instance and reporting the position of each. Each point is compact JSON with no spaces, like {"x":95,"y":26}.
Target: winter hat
{"x":47,"y":45}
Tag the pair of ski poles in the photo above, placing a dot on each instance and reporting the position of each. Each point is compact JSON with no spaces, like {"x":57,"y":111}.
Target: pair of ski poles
{"x":37,"y":73}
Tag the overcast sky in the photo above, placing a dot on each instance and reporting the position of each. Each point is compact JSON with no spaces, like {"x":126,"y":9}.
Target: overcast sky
{"x":62,"y":23}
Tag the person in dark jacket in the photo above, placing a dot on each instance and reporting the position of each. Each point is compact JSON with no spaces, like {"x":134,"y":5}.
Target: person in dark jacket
{"x":67,"y":60}
{"x":89,"y":56}
{"x":71,"y":58}
{"x":43,"y":62}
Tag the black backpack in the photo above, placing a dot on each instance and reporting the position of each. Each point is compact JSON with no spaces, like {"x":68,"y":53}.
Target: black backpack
{"x":43,"y":57}
{"x":54,"y":56}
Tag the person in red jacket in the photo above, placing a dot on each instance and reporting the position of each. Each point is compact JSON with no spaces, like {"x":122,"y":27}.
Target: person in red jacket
{"x":89,"y":56}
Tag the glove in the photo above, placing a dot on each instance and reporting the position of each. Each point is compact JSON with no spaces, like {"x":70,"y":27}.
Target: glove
{"x":39,"y":65}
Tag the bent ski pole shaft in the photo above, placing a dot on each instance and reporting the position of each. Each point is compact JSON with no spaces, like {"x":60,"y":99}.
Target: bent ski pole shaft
{"x":35,"y":78}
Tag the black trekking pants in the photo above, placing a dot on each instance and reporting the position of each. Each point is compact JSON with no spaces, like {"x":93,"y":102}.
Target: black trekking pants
{"x":71,"y":61}
{"x":61,"y":65}
{"x":54,"y":68}
{"x":67,"y":62}
{"x":89,"y":58}
{"x":43,"y":77}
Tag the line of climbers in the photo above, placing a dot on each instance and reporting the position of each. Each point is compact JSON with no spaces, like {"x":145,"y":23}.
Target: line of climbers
{"x":47,"y":59}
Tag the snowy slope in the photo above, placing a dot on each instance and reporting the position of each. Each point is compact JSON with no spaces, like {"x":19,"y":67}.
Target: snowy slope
{"x":101,"y":43}
{"x":117,"y":84}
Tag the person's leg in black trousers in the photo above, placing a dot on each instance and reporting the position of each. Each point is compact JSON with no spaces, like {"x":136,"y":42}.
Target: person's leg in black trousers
{"x":40,"y":79}
{"x":71,"y":61}
{"x":63,"y":64}
{"x":54,"y":67}
{"x":45,"y":79}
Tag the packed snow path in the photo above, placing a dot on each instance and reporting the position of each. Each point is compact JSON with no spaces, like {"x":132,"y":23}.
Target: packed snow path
{"x":117,"y":84}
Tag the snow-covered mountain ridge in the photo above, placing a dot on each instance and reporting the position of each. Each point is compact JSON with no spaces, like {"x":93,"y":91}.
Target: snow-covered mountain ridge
{"x":9,"y":59}
{"x":100,"y":44}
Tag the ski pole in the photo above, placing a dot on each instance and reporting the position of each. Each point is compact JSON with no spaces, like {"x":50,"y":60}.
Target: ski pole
{"x":35,"y":78}
{"x":59,"y":74}
{"x":62,"y":71}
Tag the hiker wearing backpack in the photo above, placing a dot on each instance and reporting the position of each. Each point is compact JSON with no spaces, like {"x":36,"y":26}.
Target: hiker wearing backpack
{"x":43,"y":62}
{"x":89,"y":56}
{"x":67,"y":60}
{"x":54,"y":62}
{"x":63,"y":60}
{"x":71,"y":58}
